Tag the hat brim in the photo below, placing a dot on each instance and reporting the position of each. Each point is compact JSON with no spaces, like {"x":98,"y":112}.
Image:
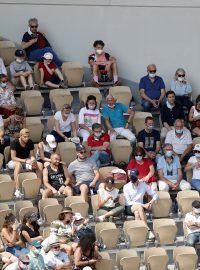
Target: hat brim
{"x":67,"y":211}
{"x":52,"y":145}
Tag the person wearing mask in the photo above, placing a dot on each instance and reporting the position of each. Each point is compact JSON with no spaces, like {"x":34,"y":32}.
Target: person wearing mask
{"x":170,"y":111}
{"x":194,"y":165}
{"x":36,"y":259}
{"x":102,"y":62}
{"x":114,"y":119}
{"x":152,"y":89}
{"x":182,"y":88}
{"x":134,"y":193}
{"x":23,"y":263}
{"x":194,"y":117}
{"x":56,"y":178}
{"x":88,"y":115}
{"x":169,"y":171}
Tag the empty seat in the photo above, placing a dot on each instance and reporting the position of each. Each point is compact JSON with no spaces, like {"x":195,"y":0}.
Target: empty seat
{"x":139,"y":119}
{"x":65,"y":93}
{"x":95,"y":204}
{"x":127,"y":259}
{"x":161,"y":208}
{"x":33,"y":105}
{"x":50,"y":123}
{"x":122,"y":93}
{"x":121,"y":150}
{"x":59,"y":101}
{"x":5,"y":177}
{"x":185,"y":199}
{"x":24,"y":176}
{"x":46,"y":231}
{"x":4,"y":210}
{"x":185,"y":258}
{"x":156,"y":258}
{"x":67,"y":151}
{"x":23,"y":207}
{"x":43,"y":209}
{"x":165,"y":231}
{"x":86,"y":91}
{"x":35,"y":126}
{"x":107,"y":233}
{"x":105,"y":262}
{"x":77,"y":204}
{"x":30,"y":93}
{"x":73,"y":73}
{"x":31,"y":188}
{"x":7,"y":189}
{"x":7,"y":51}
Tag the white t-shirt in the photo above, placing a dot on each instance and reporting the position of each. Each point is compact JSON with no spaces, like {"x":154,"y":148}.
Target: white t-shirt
{"x":191,"y":217}
{"x":89,"y":117}
{"x":103,"y":193}
{"x":65,"y":126}
{"x":14,"y":266}
{"x":51,"y":260}
{"x":196,"y":172}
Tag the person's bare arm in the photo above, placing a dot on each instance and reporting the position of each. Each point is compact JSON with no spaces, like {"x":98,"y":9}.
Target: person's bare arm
{"x":74,"y":130}
{"x":187,"y":151}
{"x":46,"y":181}
{"x":29,"y":239}
{"x":41,"y":76}
{"x":96,"y":178}
{"x":162,"y":95}
{"x":131,"y":115}
{"x":83,"y":126}
{"x":101,"y":202}
{"x":51,"y":71}
{"x":15,"y":158}
{"x":26,"y":45}
{"x":158,"y":145}
{"x":144,"y":96}
{"x":67,"y":177}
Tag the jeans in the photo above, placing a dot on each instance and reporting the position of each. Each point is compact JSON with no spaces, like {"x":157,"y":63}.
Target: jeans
{"x":17,"y":250}
{"x":100,"y":157}
{"x":58,"y":138}
{"x":37,"y":55}
{"x":147,"y":105}
{"x":196,"y":184}
{"x":193,"y":238}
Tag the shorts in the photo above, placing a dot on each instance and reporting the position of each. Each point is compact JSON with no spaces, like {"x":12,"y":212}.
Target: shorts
{"x":77,"y":187}
{"x":127,"y":210}
{"x":25,"y":166}
{"x":54,"y":79}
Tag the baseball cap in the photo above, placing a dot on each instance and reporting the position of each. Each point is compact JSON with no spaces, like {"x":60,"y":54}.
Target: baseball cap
{"x":80,"y":148}
{"x":78,"y":216}
{"x":51,"y":141}
{"x":134,"y":173}
{"x":19,"y":53}
{"x":48,"y":56}
{"x":197,"y":147}
{"x":24,"y":131}
{"x":31,"y":215}
{"x":24,"y":258}
{"x":36,"y":243}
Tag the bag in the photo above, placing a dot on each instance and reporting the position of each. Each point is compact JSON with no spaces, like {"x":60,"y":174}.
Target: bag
{"x":84,"y":231}
{"x":119,"y":175}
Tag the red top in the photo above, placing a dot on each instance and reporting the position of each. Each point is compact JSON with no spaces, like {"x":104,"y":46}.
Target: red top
{"x":143,"y":168}
{"x":47,"y":76}
{"x":93,"y":142}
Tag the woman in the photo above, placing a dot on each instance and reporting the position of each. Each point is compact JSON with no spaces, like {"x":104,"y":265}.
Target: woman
{"x":144,"y":166}
{"x":65,"y":124}
{"x":182,"y":88}
{"x":108,"y":201}
{"x":88,"y":115}
{"x":194,"y":117}
{"x":11,"y":238}
{"x":86,"y":253}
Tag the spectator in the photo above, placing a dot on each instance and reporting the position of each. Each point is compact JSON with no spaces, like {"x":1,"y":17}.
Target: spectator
{"x":36,"y":259}
{"x":144,"y":167}
{"x":192,"y":220}
{"x":21,"y":71}
{"x":149,"y":139}
{"x":4,"y":140}
{"x":170,"y":111}
{"x":2,"y":67}
{"x":98,"y":144}
{"x":114,"y":119}
{"x":56,"y":178}
{"x":85,"y":171}
{"x":80,"y":222}
{"x":86,"y":253}
{"x":45,"y":149}
{"x":169,"y":171}
{"x":108,"y":201}
{"x":36,"y":45}
{"x":180,"y":139}
{"x":134,"y":193}
{"x":64,"y":125}
{"x":102,"y":62}
{"x":7,"y":99}
{"x":23,"y":157}
{"x":21,"y":263}
{"x":10,"y":236}
{"x":194,"y":117}
{"x":182,"y":89}
{"x":50,"y":74}
{"x":88,"y":115}
{"x":152,"y":89}
{"x":194,"y":165}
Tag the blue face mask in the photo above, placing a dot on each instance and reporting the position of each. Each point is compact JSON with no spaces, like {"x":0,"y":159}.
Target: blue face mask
{"x":179,"y":131}
{"x":169,"y":153}
{"x":138,"y":158}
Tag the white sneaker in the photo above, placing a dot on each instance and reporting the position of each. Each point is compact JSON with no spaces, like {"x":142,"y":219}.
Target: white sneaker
{"x":18,"y":194}
{"x":100,"y":218}
{"x":151,"y":235}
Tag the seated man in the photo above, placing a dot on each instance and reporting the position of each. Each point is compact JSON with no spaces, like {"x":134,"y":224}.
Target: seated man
{"x":134,"y":193}
{"x":102,"y":62}
{"x":149,"y":139}
{"x":181,"y":140}
{"x":36,"y":259}
{"x":98,"y":144}
{"x":36,"y":45}
{"x":56,"y":178}
{"x":170,"y":111}
{"x":192,"y":222}
{"x":169,"y":171}
{"x":114,"y":119}
{"x":23,"y":157}
{"x":85,"y":171}
{"x":152,"y":89}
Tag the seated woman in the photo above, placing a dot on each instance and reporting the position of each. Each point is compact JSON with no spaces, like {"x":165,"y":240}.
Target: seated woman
{"x":108,"y":201}
{"x":86,"y":253}
{"x":144,"y":166}
{"x":194,"y":117}
{"x":65,"y":124}
{"x":11,"y":238}
{"x":182,"y":88}
{"x":88,"y":115}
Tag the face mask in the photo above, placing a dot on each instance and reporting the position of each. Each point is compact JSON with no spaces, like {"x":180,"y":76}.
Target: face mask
{"x":138,"y":158}
{"x":91,"y":107}
{"x":134,"y":179}
{"x":23,"y":266}
{"x":99,"y":51}
{"x":152,"y":75}
{"x":19,"y":61}
{"x":181,"y":79}
{"x":169,"y":105}
{"x":197,"y":211}
{"x":150,"y":127}
{"x":36,"y":251}
{"x":197,"y":154}
{"x":111,"y":106}
{"x":179,"y":131}
{"x":169,"y":153}
{"x":56,"y":252}
{"x":97,"y":134}
{"x":3,"y":84}
{"x":29,"y":31}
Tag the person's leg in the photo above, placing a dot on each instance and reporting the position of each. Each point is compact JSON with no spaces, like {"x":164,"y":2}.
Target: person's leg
{"x":23,"y":81}
{"x":192,"y":238}
{"x":47,"y":193}
{"x":140,"y":213}
{"x":196,"y":184}
{"x":67,"y":134}
{"x":196,"y":131}
{"x":39,"y":171}
{"x":146,"y":106}
{"x":30,"y":80}
{"x":112,"y":71}
{"x":104,"y":157}
{"x":59,"y":74}
{"x":153,"y":186}
{"x":51,"y":85}
{"x":84,"y":134}
{"x":37,"y":55}
{"x":184,"y":185}
{"x":127,"y":134}
{"x":17,"y":170}
{"x":95,"y":70}
{"x":101,"y":212}
{"x":162,"y":186}
{"x":84,"y":191}
{"x":68,"y":191}
{"x":58,"y":138}
{"x":96,"y":157}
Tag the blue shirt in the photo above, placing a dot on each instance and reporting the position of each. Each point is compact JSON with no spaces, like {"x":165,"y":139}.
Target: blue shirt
{"x":169,"y":171}
{"x":152,"y":90}
{"x":115,"y":115}
{"x":185,"y":89}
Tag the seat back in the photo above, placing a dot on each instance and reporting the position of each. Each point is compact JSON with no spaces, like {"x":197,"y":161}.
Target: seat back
{"x":139,"y":119}
{"x":31,"y":188}
{"x":1,"y":160}
{"x":135,"y":232}
{"x":73,"y":73}
{"x":122,"y":93}
{"x":185,"y":257}
{"x":165,"y":231}
{"x":121,"y":150}
{"x":35,"y":128}
{"x":51,"y":213}
{"x":161,"y":208}
{"x":109,"y":237}
{"x":86,"y":91}
{"x":185,"y":200}
{"x":94,"y":203}
{"x":130,"y":263}
{"x":105,"y":262}
{"x":67,"y":152}
{"x":33,"y":105}
{"x":25,"y":210}
{"x":45,"y":232}
{"x":57,"y":93}
{"x":7,"y":189}
{"x":50,"y":123}
{"x":44,"y":202}
{"x":3,"y":213}
{"x":25,"y":175}
{"x":103,"y":171}
{"x":124,"y":253}
{"x":81,"y":208}
{"x":31,"y":93}
{"x":73,"y":199}
{"x":21,"y":204}
{"x":59,"y":101}
{"x":156,"y":258}
{"x":7,"y":51}
{"x":5,"y":177}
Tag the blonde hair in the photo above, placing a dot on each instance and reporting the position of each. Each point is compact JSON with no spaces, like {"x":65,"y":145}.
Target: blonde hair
{"x":177,"y":71}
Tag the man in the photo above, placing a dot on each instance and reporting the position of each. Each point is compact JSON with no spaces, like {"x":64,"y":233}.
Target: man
{"x":170,"y":111}
{"x":152,"y":89}
{"x":98,"y":144}
{"x":85,"y":171}
{"x":192,"y":222}
{"x":181,"y":140}
{"x":56,"y":178}
{"x":134,"y":193}
{"x":103,"y":63}
{"x":149,"y":139}
{"x":36,"y":259}
{"x":169,"y":171}
{"x":36,"y":45}
{"x":114,"y":119}
{"x":23,"y":263}
{"x":23,"y":157}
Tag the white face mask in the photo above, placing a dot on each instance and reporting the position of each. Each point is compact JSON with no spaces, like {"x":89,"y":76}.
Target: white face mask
{"x":111,"y":106}
{"x":19,"y":60}
{"x":138,"y":158}
{"x":169,"y":153}
{"x":91,"y":107}
{"x":179,"y":131}
{"x":56,"y":252}
{"x":197,"y":155}
{"x":3,"y":85}
{"x":169,"y":105}
{"x":99,"y":51}
{"x":29,"y":31}
{"x":150,"y":127}
{"x":97,"y":134}
{"x":152,"y":75}
{"x":181,"y":79}
{"x":197,"y":211}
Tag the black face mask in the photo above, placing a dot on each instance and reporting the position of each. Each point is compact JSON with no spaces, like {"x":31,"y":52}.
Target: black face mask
{"x":134,"y":179}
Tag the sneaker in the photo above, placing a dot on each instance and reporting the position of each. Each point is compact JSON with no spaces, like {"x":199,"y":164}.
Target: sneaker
{"x":95,"y":84}
{"x":18,"y":194}
{"x":62,"y":85}
{"x":151,"y":235}
{"x":118,"y":83}
{"x":100,"y":219}
{"x":27,"y":87}
{"x":35,"y":86}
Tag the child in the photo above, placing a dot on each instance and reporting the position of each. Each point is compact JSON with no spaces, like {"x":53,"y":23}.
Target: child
{"x":50,"y":74}
{"x":21,"y":71}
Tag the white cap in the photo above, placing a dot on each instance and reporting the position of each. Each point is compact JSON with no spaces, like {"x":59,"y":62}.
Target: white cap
{"x":197,"y":147}
{"x":51,"y":141}
{"x":87,"y":268}
{"x":48,"y":56}
{"x":78,"y":216}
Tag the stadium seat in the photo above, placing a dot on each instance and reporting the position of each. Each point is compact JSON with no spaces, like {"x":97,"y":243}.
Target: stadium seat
{"x":45,"y":232}
{"x":122,"y":93}
{"x":185,"y":199}
{"x":7,"y":51}
{"x":94,"y":203}
{"x":50,"y":123}
{"x":121,"y":150}
{"x":105,"y":263}
{"x":24,"y":176}
{"x":59,"y":101}
{"x":7,"y":189}
{"x":67,"y":152}
{"x":64,"y":93}
{"x":22,"y":207}
{"x":156,"y":258}
{"x":30,"y":93}
{"x":4,"y":210}
{"x":33,"y":105}
{"x":139,"y":119}
{"x":49,"y":208}
{"x":161,"y":208}
{"x":103,"y":171}
{"x":1,"y":160}
{"x":185,"y":258}
{"x":5,"y":177}
{"x":107,"y":234}
{"x":73,"y":73}
{"x":77,"y":204}
{"x":86,"y":91}
{"x":165,"y":231}
{"x":196,"y":140}
{"x":127,"y":259}
{"x":35,"y":127}
{"x":31,"y":188}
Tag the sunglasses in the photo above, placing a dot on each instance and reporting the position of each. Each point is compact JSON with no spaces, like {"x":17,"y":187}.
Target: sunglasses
{"x":140,"y":155}
{"x":26,"y":263}
{"x":181,"y":75}
{"x":83,"y":152}
{"x":196,"y":151}
{"x":56,"y":247}
{"x":152,"y":71}
{"x":34,"y":26}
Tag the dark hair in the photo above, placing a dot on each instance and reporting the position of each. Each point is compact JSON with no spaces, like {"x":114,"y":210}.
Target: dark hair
{"x":198,"y":99}
{"x":148,"y":118}
{"x":2,"y":76}
{"x":19,"y":111}
{"x":98,"y":42}
{"x":87,"y":242}
{"x":96,"y":125}
{"x":169,"y":93}
{"x":196,"y":204}
{"x":66,"y":106}
{"x":91,"y":97}
{"x":136,"y":150}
